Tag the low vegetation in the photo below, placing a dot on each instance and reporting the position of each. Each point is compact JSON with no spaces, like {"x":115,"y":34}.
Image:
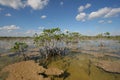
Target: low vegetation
{"x":20,"y":48}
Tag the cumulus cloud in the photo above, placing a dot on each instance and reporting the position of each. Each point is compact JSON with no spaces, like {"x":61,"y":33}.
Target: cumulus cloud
{"x":87,"y":5}
{"x":43,"y":16}
{"x":109,"y":21}
{"x":81,"y":17}
{"x":37,"y":4}
{"x":99,"y":13}
{"x":104,"y":12}
{"x":8,"y":14}
{"x":113,"y":12}
{"x":101,"y":21}
{"x":82,"y":8}
{"x":10,"y":28}
{"x":16,"y":4}
{"x":105,"y":21}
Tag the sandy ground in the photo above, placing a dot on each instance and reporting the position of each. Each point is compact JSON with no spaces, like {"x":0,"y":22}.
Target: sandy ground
{"x":29,"y":70}
{"x":109,"y":66}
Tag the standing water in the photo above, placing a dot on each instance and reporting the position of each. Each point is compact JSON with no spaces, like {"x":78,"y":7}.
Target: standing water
{"x":89,"y":61}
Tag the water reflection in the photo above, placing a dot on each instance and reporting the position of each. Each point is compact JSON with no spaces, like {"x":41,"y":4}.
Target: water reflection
{"x":109,"y":45}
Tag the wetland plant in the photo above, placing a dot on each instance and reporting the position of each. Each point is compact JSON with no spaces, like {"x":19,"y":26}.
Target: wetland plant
{"x":51,"y":43}
{"x":20,"y":48}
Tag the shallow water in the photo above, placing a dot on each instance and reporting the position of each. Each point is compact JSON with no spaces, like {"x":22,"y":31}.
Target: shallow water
{"x":6,"y":45}
{"x":114,"y":45}
{"x":109,"y":45}
{"x":77,"y":66}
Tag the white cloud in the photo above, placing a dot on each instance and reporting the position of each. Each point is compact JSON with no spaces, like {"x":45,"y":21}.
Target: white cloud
{"x":13,"y":30}
{"x":81,"y":17}
{"x":43,"y":16}
{"x":99,"y":13}
{"x":101,"y":21}
{"x":8,"y":14}
{"x":109,"y":21}
{"x":10,"y":28}
{"x":37,"y":4}
{"x":104,"y":13}
{"x":16,"y":4}
{"x":41,"y":28}
{"x":87,"y":5}
{"x":113,"y":12}
{"x":30,"y":32}
{"x":61,"y":3}
{"x":82,"y":8}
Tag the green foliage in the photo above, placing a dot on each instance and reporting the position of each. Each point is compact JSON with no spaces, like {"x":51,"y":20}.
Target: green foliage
{"x":19,"y":47}
{"x":53,"y":33}
{"x":49,"y":42}
{"x":107,"y":34}
{"x":47,"y":36}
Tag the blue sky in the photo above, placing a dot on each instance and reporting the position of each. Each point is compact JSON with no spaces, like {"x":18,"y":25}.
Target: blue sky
{"x":89,"y":17}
